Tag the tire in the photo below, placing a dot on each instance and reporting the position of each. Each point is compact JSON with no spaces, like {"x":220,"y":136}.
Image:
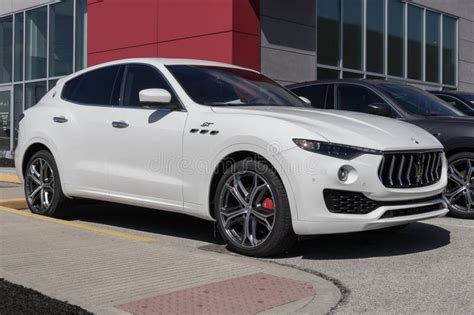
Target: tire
{"x":46,"y":187}
{"x":459,"y":193}
{"x":260,"y":203}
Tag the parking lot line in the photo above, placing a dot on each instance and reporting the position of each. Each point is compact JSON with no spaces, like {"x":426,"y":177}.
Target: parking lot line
{"x":9,"y":178}
{"x":82,"y":226}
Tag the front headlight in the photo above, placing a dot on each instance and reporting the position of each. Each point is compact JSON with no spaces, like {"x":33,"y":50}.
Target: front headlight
{"x":340,"y":151}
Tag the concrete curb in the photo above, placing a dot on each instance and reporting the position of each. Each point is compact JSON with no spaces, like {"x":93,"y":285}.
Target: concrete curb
{"x":9,"y":178}
{"x":15,"y":204}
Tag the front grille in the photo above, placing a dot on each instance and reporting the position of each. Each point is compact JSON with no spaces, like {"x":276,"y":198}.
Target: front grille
{"x":349,"y":202}
{"x":411,"y":169}
{"x":411,"y":211}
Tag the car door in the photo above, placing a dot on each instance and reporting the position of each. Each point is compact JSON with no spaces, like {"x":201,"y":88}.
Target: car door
{"x":145,"y":151}
{"x":79,"y":127}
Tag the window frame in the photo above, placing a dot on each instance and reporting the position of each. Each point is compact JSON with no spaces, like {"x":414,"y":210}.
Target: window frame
{"x":170,"y":89}
{"x":122,"y":87}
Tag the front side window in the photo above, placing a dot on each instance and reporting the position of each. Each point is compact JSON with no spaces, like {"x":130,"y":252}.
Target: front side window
{"x":417,"y":101}
{"x":356,"y":98}
{"x":94,"y":87}
{"x":316,"y":94}
{"x":141,"y":77}
{"x":220,"y":86}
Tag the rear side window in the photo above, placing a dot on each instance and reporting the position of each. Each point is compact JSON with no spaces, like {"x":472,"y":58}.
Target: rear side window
{"x":141,"y":77}
{"x":94,"y":87}
{"x":317,"y":94}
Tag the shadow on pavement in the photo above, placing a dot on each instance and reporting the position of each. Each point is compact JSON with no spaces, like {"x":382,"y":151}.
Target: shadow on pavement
{"x":146,"y":220}
{"x":415,"y":238}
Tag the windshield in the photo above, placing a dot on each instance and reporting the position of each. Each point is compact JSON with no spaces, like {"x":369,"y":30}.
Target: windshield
{"x":220,"y":86}
{"x":417,"y":101}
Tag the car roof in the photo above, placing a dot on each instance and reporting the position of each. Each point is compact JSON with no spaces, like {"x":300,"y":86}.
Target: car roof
{"x":454,"y":93}
{"x":332,"y":81}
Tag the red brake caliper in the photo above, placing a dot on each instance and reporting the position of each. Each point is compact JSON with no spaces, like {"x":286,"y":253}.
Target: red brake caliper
{"x":267,"y":204}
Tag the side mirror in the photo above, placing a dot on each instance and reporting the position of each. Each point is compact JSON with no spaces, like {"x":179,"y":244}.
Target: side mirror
{"x":155,"y":97}
{"x":380,"y":109}
{"x":304,"y":99}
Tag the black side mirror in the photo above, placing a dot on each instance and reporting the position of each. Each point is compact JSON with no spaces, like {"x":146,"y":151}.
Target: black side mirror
{"x":380,"y":109}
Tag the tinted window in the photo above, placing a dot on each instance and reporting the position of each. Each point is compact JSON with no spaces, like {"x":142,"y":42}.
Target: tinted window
{"x":328,"y":31}
{"x":352,"y":18}
{"x":432,"y":46}
{"x":221,"y":86}
{"x":395,"y":37}
{"x":94,"y":87}
{"x":316,"y":94}
{"x":141,"y":77}
{"x":415,"y":34}
{"x":375,"y":29}
{"x":355,"y":98}
{"x":455,"y":103}
{"x":417,"y":101}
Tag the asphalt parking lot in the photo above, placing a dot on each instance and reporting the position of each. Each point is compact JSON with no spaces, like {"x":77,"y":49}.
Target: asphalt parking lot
{"x":426,"y":268}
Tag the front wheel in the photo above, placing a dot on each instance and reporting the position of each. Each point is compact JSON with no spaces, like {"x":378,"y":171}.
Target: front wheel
{"x":252,"y":210}
{"x":43,"y":186}
{"x":459,"y":193}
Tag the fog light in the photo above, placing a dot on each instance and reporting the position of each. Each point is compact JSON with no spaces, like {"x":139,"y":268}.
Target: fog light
{"x":343,"y":173}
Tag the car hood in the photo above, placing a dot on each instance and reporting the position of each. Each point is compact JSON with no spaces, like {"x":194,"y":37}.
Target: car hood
{"x":345,"y":127}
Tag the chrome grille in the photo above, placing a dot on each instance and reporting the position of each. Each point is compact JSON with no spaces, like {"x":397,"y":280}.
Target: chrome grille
{"x":411,"y":169}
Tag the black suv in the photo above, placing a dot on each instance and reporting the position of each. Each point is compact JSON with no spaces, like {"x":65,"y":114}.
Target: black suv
{"x":462,"y":101}
{"x":411,"y":104}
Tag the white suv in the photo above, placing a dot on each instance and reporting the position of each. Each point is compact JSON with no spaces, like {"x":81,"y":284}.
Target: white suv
{"x":228,"y":144}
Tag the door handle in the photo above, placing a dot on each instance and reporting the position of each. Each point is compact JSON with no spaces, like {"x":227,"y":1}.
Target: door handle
{"x":60,"y":119}
{"x":120,"y":124}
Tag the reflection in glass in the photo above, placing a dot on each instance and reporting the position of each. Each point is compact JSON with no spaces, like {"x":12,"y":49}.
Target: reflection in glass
{"x":415,"y":33}
{"x":19,"y":19}
{"x":17,"y":109}
{"x":6,"y":30}
{"x":375,"y":27}
{"x":352,"y":30}
{"x":395,"y":38}
{"x":327,"y":74}
{"x":328,"y":32}
{"x":449,"y":50}
{"x":5,"y":132}
{"x":81,"y":34}
{"x":432,"y":46}
{"x":36,"y":29}
{"x":61,"y":38}
{"x":34,"y":92}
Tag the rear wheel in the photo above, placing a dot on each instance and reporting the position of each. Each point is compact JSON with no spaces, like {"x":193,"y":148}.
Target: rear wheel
{"x":459,"y":193}
{"x":252,"y":210}
{"x":43,"y":186}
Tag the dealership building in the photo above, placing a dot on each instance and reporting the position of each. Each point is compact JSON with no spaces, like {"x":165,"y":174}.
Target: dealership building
{"x":429,"y":43}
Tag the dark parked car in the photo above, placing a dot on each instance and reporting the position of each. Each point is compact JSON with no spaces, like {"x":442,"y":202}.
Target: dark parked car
{"x":462,"y":101}
{"x":405,"y":102}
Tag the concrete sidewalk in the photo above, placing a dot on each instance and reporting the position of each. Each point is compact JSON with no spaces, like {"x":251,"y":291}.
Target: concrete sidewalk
{"x":110,"y":273}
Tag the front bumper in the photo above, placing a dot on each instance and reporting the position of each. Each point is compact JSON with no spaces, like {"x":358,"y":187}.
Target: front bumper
{"x":310,"y":174}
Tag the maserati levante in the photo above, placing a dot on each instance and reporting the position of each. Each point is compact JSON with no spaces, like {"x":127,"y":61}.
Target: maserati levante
{"x":226,"y":144}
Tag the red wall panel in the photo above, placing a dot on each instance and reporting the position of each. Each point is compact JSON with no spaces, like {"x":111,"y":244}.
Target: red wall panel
{"x":220,"y":30}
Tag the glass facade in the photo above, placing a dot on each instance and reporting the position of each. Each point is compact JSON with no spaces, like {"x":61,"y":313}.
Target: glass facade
{"x":386,"y":39}
{"x":37,"y":47}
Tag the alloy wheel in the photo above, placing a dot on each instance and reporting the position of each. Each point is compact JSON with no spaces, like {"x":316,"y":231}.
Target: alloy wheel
{"x":460,"y":190}
{"x":40,"y":185}
{"x":246,"y":209}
